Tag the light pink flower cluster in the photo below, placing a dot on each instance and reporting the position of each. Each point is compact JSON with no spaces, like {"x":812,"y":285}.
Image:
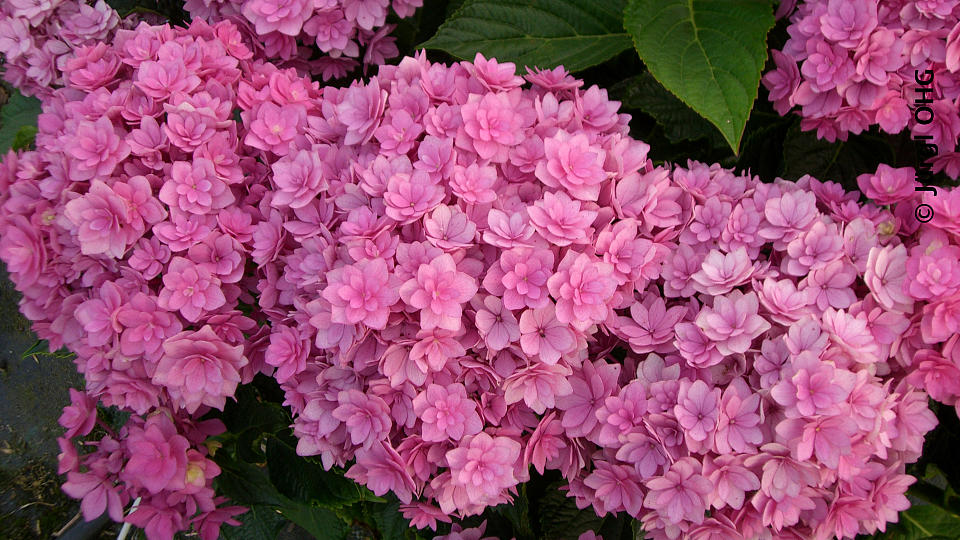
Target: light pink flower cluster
{"x":129,"y":232}
{"x":346,"y":33}
{"x":469,"y":277}
{"x":46,"y":43}
{"x":850,"y":64}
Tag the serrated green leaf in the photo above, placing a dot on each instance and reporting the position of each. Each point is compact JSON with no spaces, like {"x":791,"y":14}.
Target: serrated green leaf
{"x":320,"y":522}
{"x":840,"y":161}
{"x":17,"y":112}
{"x":544,"y":33}
{"x":258,"y":523}
{"x":679,"y":122}
{"x":709,"y":53}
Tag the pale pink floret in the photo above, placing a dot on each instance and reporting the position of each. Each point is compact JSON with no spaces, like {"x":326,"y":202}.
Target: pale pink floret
{"x":935,"y":275}
{"x":720,"y":272}
{"x":362,"y":292}
{"x":96,"y":149}
{"x":102,"y":221}
{"x":484,"y":464}
{"x":191,"y":289}
{"x":616,"y":488}
{"x":538,"y":385}
{"x":195,"y":188}
{"x":572,"y":163}
{"x":561,"y":220}
{"x":299,"y":177}
{"x":582,"y":287}
{"x":492,"y":124}
{"x":888,"y":185}
{"x":439,"y":290}
{"x":284,"y":16}
{"x":158,"y":456}
{"x":367,"y":418}
{"x":697,"y":409}
{"x":732,"y":322}
{"x":681,"y":493}
{"x":520,"y":277}
{"x":382,"y":469}
{"x":198,"y":368}
{"x":497,"y":325}
{"x":885,"y":276}
{"x":446,"y":413}
{"x":543,"y":336}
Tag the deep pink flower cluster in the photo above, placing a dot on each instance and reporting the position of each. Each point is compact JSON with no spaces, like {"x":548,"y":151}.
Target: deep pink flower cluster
{"x":468,"y":277}
{"x":39,"y":38}
{"x":161,"y":460}
{"x":129,"y":231}
{"x":348,"y":33}
{"x":850,"y":64}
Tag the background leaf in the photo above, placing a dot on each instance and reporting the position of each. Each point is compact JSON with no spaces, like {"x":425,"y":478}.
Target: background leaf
{"x":319,"y":522}
{"x":679,"y":122}
{"x":841,"y":161}
{"x":544,"y":33}
{"x":17,"y":113}
{"x":258,"y":523}
{"x":709,"y":53}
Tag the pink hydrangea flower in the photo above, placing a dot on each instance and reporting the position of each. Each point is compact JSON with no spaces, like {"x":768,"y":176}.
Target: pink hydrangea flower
{"x":195,"y":188}
{"x":732,"y":322}
{"x":362,"y":293}
{"x":681,"y":493}
{"x":447,"y":413}
{"x":582,"y":286}
{"x":198,"y":368}
{"x":573,"y":163}
{"x":521,"y":277}
{"x":484,"y":465}
{"x":438,"y":290}
{"x":190,"y":289}
{"x":367,"y":418}
{"x":158,"y":456}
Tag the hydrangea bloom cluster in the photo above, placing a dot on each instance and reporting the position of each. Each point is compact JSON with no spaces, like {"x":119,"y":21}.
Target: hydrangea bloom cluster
{"x":348,"y":33}
{"x":468,"y":277}
{"x":851,"y":64}
{"x":128,"y":231}
{"x":38,"y":39}
{"x":464,"y":275}
{"x":160,"y":459}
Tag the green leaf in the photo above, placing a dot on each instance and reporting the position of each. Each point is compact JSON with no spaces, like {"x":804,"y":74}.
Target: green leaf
{"x":392,"y":524}
{"x":841,"y":161}
{"x":258,"y":523}
{"x":561,"y":519}
{"x":19,"y":111}
{"x":305,"y":481}
{"x":245,"y":483}
{"x":543,"y":33}
{"x":922,"y":522}
{"x":319,"y":522}
{"x":24,"y":138}
{"x":709,"y":53}
{"x":679,"y":122}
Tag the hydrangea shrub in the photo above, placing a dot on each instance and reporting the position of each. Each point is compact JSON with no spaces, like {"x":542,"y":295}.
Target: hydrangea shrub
{"x":455,"y":273}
